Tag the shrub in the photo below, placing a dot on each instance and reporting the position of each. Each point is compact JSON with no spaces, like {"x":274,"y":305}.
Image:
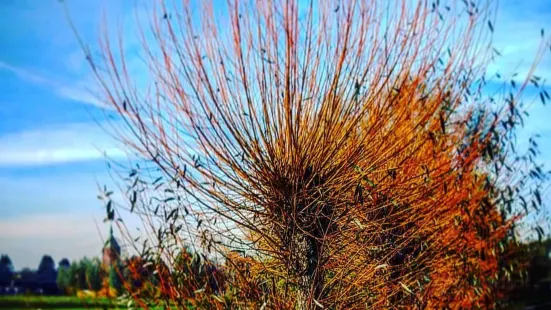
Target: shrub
{"x":333,"y":155}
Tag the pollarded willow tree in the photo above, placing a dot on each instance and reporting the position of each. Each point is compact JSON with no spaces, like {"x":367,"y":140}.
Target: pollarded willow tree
{"x":345,"y":152}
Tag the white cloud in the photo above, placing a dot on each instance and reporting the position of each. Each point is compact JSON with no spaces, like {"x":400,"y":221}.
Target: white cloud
{"x":67,"y":143}
{"x":50,"y":226}
{"x":64,"y":91}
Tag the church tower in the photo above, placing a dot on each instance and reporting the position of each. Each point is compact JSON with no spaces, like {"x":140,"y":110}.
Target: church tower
{"x":111,"y":250}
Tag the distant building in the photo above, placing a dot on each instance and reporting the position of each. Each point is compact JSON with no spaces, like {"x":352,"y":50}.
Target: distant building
{"x":111,"y":250}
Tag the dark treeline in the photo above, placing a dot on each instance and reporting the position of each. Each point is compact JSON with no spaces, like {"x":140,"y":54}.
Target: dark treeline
{"x":107,"y":278}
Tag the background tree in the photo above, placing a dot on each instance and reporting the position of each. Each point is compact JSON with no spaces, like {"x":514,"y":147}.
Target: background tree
{"x":85,"y":274}
{"x":346,"y":151}
{"x":6,"y":270}
{"x":77,"y":276}
{"x":27,"y":276}
{"x":93,"y":274}
{"x":46,"y":271}
{"x":46,"y":264}
{"x":81,"y":273}
{"x":63,"y":279}
{"x":63,"y":263}
{"x":115,"y":277}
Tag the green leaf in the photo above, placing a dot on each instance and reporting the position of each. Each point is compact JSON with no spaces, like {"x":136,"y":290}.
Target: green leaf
{"x":199,"y":291}
{"x":111,"y":215}
{"x":318,"y":304}
{"x":406,"y":288}
{"x":171,"y":214}
{"x":358,"y":223}
{"x":538,"y":196}
{"x":442,"y":124}
{"x":540,"y":233}
{"x":133,"y":199}
{"x":381,"y":266}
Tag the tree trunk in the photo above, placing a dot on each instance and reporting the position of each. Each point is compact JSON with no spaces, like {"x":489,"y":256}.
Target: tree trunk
{"x":312,"y":280}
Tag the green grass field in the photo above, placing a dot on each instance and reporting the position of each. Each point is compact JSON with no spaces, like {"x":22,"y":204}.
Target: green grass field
{"x":62,"y":302}
{"x":57,"y":302}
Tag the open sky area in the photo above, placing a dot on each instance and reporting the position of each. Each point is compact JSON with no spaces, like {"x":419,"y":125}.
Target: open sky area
{"x":52,"y":143}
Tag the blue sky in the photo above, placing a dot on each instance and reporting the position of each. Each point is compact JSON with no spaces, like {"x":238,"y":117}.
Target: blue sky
{"x":51,"y":142}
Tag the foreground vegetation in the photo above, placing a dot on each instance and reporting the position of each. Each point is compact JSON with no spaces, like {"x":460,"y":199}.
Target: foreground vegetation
{"x":70,"y":302}
{"x":530,"y":288}
{"x":57,"y":302}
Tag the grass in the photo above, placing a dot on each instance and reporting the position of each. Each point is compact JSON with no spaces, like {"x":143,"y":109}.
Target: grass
{"x":62,"y":302}
{"x":57,"y":302}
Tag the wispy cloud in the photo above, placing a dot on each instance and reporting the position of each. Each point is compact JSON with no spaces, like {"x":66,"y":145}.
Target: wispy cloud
{"x":51,"y":226}
{"x":517,"y":37}
{"x":67,"y":143}
{"x":64,"y":91}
